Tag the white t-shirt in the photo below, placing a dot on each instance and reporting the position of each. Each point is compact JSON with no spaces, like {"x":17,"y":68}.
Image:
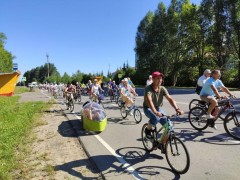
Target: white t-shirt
{"x":149,"y":82}
{"x":96,"y":89}
{"x":127,"y":90}
{"x":201,"y":81}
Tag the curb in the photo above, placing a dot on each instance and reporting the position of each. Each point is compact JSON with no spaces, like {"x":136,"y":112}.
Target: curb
{"x":82,"y":144}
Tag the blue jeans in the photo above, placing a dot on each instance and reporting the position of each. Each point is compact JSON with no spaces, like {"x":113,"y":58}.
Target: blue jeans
{"x":153,"y":118}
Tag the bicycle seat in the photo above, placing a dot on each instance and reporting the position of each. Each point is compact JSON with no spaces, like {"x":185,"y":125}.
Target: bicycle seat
{"x":201,"y":102}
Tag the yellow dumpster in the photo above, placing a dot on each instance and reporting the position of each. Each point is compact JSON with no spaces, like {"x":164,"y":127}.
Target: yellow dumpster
{"x":8,"y":83}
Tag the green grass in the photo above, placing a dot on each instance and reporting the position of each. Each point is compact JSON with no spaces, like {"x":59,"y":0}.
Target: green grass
{"x":20,"y":89}
{"x":16,"y":123}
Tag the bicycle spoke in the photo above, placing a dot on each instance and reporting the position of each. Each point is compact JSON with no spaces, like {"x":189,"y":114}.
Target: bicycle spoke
{"x":197,"y":118}
{"x":232,"y":125}
{"x":177,"y":155}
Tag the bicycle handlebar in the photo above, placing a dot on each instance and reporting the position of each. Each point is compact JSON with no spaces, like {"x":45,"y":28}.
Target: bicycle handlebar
{"x":171,"y":116}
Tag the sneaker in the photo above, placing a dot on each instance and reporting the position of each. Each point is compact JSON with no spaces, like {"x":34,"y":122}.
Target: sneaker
{"x":209,"y":116}
{"x":126,"y":109}
{"x":148,"y":133}
{"x":212,"y":124}
{"x":162,"y":148}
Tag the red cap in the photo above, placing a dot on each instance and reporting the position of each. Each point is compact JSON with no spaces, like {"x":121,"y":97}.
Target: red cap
{"x":156,"y":74}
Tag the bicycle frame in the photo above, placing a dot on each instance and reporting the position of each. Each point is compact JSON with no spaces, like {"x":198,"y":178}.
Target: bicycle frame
{"x":223,"y":106}
{"x":168,"y":129}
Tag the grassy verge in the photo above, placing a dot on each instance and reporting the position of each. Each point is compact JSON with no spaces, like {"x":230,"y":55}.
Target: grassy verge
{"x":16,"y":123}
{"x":21,"y":89}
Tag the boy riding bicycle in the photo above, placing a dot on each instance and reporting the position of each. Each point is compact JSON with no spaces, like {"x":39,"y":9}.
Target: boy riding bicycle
{"x":209,"y":90}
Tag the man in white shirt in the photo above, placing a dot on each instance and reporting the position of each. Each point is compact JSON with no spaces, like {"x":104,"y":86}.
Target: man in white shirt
{"x":201,"y":80}
{"x":149,"y":81}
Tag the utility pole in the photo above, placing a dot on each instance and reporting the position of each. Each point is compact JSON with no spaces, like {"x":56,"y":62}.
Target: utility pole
{"x":48,"y":64}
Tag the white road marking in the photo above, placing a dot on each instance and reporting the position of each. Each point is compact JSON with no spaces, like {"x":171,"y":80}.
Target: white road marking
{"x":128,"y":167}
{"x":120,"y":159}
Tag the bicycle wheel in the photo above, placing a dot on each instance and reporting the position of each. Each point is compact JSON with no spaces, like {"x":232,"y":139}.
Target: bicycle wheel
{"x":193,"y":103}
{"x":197,"y":118}
{"x":123,"y":112}
{"x":147,"y":143}
{"x":119,"y":102}
{"x":101,"y":104}
{"x":177,"y":155}
{"x":137,"y":115}
{"x":79,"y":98}
{"x":232,"y":124}
{"x":226,"y":111}
{"x":71,"y":105}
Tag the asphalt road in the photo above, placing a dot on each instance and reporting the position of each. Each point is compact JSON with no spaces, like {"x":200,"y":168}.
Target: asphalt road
{"x":119,"y":154}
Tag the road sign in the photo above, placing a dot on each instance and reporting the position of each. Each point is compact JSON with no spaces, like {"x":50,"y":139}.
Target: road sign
{"x":119,"y":75}
{"x":15,"y":66}
{"x":24,"y":79}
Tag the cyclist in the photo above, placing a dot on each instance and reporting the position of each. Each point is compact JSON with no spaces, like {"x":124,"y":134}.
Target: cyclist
{"x":78,"y":87}
{"x":69,"y":90}
{"x":149,"y":81}
{"x":209,"y":90}
{"x":130,"y":82}
{"x":153,"y":100}
{"x":109,"y":85}
{"x":89,"y":87}
{"x":125,"y":92}
{"x":201,"y":80}
{"x":112,"y":89}
{"x":95,"y":90}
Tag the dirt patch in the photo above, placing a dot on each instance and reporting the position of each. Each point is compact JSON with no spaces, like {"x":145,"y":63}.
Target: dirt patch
{"x":56,"y":152}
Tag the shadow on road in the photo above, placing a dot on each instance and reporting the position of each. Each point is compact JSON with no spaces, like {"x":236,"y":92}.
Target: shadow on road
{"x":136,"y":155}
{"x":70,"y":167}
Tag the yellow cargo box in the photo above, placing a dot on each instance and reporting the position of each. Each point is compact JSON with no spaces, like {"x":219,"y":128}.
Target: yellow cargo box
{"x":8,"y":83}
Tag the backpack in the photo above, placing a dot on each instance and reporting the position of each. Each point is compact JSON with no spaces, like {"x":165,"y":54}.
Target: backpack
{"x":198,"y":89}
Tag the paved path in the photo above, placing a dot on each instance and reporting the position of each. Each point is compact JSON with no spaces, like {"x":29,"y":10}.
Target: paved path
{"x":119,"y":154}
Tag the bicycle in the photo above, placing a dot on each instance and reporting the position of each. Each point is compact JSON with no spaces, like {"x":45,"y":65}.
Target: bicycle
{"x":196,"y":103}
{"x":70,"y":104}
{"x":136,"y":112}
{"x":98,"y":100}
{"x":78,"y":96}
{"x":198,"y":120}
{"x":173,"y":148}
{"x":114,"y":95}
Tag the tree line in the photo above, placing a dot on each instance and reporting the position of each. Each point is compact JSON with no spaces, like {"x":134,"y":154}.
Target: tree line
{"x":48,"y":73}
{"x":6,"y":57}
{"x":184,"y":39}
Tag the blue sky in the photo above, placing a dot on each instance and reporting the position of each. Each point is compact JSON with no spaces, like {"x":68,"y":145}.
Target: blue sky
{"x":86,"y":35}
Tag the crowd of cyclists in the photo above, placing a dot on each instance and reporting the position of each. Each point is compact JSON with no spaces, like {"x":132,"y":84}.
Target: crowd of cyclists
{"x":93,"y":89}
{"x":207,"y":88}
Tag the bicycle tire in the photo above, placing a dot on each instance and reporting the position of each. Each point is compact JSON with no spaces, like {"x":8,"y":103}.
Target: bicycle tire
{"x":120,"y":102}
{"x":79,"y":98}
{"x":102,"y":105}
{"x":194,"y":103}
{"x":174,"y":148}
{"x":137,"y":115}
{"x":223,"y":115}
{"x":147,"y":143}
{"x":197,"y":118}
{"x":123,"y":112}
{"x":232,"y":124}
{"x":71,"y":105}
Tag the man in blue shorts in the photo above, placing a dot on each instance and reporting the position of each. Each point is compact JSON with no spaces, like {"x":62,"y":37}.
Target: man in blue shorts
{"x":209,"y":90}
